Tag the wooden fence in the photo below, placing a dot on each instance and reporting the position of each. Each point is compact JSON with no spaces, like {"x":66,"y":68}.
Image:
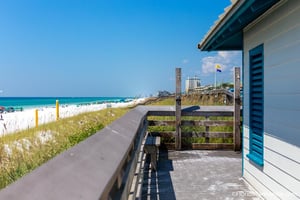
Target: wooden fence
{"x":208,"y":127}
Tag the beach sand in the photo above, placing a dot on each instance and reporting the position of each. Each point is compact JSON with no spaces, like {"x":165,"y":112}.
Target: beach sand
{"x":21,"y":120}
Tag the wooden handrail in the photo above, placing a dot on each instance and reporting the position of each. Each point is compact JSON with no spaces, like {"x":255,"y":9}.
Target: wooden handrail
{"x":100,"y":167}
{"x":106,"y":165}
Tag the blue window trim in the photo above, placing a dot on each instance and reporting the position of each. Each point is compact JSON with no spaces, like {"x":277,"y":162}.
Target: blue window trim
{"x":256,"y":105}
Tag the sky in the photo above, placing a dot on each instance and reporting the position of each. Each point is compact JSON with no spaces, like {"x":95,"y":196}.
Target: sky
{"x":94,"y":48}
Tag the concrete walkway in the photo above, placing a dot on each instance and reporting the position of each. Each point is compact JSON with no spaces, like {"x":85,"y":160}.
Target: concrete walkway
{"x":189,"y":175}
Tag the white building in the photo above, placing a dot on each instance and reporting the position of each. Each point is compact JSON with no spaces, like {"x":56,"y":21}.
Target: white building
{"x":268,"y":33}
{"x":191,"y":84}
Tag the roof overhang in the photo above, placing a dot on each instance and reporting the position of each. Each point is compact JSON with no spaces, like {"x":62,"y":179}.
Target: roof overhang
{"x":227,"y":32}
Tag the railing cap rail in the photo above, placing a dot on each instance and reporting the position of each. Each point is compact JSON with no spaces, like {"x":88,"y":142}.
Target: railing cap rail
{"x":88,"y":170}
{"x":84,"y":171}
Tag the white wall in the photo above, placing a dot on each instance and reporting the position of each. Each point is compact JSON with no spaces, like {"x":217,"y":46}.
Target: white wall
{"x":280,"y":175}
{"x":279,"y":31}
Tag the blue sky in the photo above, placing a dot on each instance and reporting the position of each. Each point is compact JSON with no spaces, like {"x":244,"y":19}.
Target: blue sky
{"x":106,"y":47}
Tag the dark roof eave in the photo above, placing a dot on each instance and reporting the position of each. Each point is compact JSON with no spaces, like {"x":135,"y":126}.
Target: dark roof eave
{"x":227,"y":34}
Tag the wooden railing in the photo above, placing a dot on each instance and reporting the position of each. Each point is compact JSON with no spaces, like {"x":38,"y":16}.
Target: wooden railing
{"x":104,"y":166}
{"x":109,"y":164}
{"x":211,"y":127}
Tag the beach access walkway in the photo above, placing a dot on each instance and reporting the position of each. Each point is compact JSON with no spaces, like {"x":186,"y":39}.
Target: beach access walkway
{"x":196,"y":174}
{"x":111,"y":164}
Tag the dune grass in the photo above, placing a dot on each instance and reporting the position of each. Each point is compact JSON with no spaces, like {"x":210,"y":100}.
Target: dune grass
{"x":23,"y":151}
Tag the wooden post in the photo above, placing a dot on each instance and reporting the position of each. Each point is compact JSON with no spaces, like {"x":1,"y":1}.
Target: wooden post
{"x":178,"y":110}
{"x":36,"y":118}
{"x":57,"y":110}
{"x":206,"y":131}
{"x":237,"y":110}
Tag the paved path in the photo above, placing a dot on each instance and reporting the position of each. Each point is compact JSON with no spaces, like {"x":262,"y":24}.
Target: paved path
{"x":189,"y":175}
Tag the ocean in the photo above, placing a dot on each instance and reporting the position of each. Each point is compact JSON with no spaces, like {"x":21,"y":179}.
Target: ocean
{"x":34,"y":102}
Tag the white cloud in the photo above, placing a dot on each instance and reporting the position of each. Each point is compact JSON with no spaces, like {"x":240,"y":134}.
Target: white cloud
{"x":185,"y":61}
{"x":227,"y":60}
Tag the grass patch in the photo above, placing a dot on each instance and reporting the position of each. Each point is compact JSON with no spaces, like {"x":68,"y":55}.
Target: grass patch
{"x":164,"y":102}
{"x":23,"y":151}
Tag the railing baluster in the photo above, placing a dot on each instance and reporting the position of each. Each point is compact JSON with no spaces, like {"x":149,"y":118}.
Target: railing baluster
{"x":206,"y":131}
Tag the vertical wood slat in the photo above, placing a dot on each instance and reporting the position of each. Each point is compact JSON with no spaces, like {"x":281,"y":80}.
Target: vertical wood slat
{"x":237,"y":110}
{"x":207,"y":131}
{"x":178,"y":109}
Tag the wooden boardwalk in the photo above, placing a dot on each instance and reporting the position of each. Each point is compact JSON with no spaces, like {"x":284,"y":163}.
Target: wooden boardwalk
{"x":196,"y":174}
{"x":108,"y":165}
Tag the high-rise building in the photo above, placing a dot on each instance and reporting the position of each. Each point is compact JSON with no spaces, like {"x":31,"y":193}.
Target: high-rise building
{"x":191,"y":84}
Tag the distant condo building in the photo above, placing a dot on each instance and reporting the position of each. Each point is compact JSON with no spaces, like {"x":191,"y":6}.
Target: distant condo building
{"x":192,"y":84}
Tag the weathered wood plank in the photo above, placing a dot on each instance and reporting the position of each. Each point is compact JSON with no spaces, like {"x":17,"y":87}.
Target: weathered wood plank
{"x":211,"y":146}
{"x":209,"y":134}
{"x":161,"y":113}
{"x":201,"y":111}
{"x":178,"y":109}
{"x":207,"y":131}
{"x":206,"y":123}
{"x":198,"y":134}
{"x":208,"y":113}
{"x":191,"y":123}
{"x":195,"y":113}
{"x":237,"y":111}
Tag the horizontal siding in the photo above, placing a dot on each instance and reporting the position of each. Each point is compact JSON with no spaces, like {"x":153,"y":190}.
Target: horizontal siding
{"x":287,"y":166}
{"x":274,"y":26}
{"x":282,"y":40}
{"x":276,"y":78}
{"x":259,"y":186}
{"x":280,"y":174}
{"x":284,"y":181}
{"x":283,"y":124}
{"x":283,"y":55}
{"x":282,"y":97}
{"x":283,"y":148}
{"x":266,"y":185}
{"x":280,"y":34}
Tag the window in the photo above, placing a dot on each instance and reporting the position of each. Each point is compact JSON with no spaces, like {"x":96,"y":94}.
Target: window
{"x":256,"y":104}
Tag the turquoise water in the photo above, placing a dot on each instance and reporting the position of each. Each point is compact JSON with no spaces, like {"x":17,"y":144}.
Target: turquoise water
{"x":33,"y":102}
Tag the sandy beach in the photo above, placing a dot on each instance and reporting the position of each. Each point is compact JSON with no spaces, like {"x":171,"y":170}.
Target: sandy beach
{"x":21,"y":120}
